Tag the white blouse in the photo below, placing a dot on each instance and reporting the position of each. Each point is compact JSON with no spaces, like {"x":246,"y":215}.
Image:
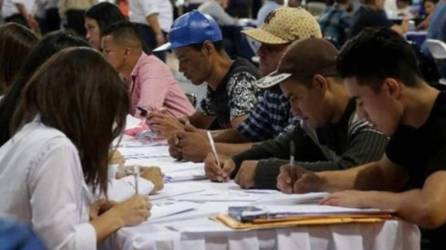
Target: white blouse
{"x":42,"y":184}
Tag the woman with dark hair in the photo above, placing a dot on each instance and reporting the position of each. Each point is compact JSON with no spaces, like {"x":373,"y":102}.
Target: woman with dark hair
{"x":72,"y":109}
{"x":16,"y":41}
{"x":98,"y":18}
{"x":49,"y":45}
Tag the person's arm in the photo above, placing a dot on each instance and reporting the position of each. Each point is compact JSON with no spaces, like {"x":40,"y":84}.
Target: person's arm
{"x":232,"y":149}
{"x":242,"y":93}
{"x":151,"y":11}
{"x":57,"y":200}
{"x":424,"y":207}
{"x":154,"y":81}
{"x":278,"y":147}
{"x":201,"y":120}
{"x":236,"y":121}
{"x":221,"y":16}
{"x":153,"y":22}
{"x":391,"y":177}
{"x":229,"y":135}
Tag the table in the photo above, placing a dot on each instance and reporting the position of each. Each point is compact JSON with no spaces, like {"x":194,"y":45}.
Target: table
{"x":193,"y":230}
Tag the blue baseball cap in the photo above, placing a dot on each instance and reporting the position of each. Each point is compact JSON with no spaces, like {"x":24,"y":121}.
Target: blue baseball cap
{"x":192,"y":28}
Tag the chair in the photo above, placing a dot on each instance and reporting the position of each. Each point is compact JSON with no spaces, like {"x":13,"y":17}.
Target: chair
{"x":437,"y":48}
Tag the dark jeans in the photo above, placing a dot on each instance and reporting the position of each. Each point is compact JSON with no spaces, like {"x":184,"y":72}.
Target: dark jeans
{"x":75,"y":21}
{"x":149,"y":38}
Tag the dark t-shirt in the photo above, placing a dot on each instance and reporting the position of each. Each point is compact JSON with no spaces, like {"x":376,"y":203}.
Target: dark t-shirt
{"x":235,"y":96}
{"x":366,"y":17}
{"x":422,"y":151}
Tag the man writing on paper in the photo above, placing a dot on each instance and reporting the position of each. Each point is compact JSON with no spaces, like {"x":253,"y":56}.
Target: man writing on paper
{"x":391,"y":94}
{"x":330,"y":137}
{"x":196,"y":40}
{"x":271,"y":116}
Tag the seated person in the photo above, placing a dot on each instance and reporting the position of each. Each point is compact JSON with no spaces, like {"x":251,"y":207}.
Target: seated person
{"x":331,"y":136}
{"x":410,"y":178}
{"x":98,"y":18}
{"x":429,"y":7}
{"x":16,"y":41}
{"x":231,"y":91}
{"x":336,"y":22}
{"x":63,"y":129}
{"x":150,"y":82}
{"x":372,"y":14}
{"x":44,"y":49}
{"x":271,"y":116}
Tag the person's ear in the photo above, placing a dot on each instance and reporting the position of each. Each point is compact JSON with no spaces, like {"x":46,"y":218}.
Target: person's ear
{"x":392,"y":87}
{"x":320,"y":83}
{"x":208,"y":47}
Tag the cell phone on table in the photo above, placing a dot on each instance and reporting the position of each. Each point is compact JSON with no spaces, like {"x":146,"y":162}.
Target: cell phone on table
{"x":247,"y":213}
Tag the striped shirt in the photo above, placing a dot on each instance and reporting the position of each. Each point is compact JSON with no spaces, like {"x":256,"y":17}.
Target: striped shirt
{"x":345,"y":144}
{"x":270,"y":118}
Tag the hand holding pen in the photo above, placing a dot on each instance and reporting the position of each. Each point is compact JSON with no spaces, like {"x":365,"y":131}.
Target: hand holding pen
{"x":218,"y":172}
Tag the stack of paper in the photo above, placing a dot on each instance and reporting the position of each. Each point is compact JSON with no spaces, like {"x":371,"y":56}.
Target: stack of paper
{"x":305,"y":215}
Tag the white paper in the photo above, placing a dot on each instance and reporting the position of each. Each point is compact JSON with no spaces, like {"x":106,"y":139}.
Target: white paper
{"x":124,"y":188}
{"x":160,"y":211}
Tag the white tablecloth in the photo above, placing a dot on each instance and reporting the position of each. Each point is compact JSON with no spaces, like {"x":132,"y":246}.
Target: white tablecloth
{"x":193,"y":230}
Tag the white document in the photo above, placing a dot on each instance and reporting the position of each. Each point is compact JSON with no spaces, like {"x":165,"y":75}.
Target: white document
{"x":124,"y":188}
{"x":160,"y":211}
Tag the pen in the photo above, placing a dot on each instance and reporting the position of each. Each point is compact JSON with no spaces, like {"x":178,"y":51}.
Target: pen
{"x":136,"y":175}
{"x":214,"y":151}
{"x":292,"y":152}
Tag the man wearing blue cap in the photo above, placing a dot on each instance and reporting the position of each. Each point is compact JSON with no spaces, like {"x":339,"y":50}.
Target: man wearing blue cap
{"x":196,"y":40}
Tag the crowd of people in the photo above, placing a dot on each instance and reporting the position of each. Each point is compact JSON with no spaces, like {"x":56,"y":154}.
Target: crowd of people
{"x":344,"y":93}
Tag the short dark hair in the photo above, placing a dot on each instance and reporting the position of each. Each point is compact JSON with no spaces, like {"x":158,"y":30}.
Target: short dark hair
{"x":49,"y":45}
{"x":375,"y":54}
{"x":125,"y":33}
{"x":105,"y":14}
{"x":16,"y":41}
{"x":89,"y":104}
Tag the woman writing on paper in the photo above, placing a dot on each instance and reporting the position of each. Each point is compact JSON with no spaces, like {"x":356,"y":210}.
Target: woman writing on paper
{"x":63,"y":130}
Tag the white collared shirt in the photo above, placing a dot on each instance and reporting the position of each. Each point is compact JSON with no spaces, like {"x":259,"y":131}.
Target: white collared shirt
{"x":140,"y":9}
{"x":9,"y":8}
{"x":42,"y":184}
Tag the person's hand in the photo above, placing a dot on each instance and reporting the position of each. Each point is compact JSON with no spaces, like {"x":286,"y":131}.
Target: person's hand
{"x":217,"y":172}
{"x":296,"y":179}
{"x":194,"y":143}
{"x":246,"y":173}
{"x":154,"y":175}
{"x":174,"y":148}
{"x":115,"y":157}
{"x":164,"y":124}
{"x":132,"y":211}
{"x":99,"y":207}
{"x":351,"y":198}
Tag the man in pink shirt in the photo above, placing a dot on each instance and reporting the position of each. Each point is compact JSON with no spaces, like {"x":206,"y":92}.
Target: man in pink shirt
{"x":150,"y":82}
